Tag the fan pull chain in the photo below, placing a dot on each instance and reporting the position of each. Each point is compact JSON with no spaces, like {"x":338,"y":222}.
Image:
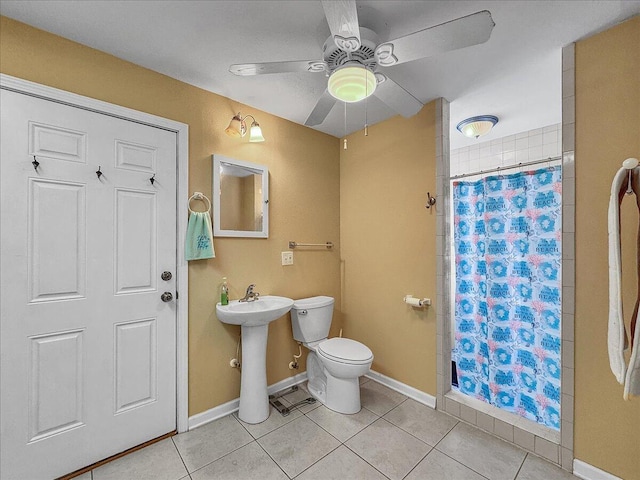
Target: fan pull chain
{"x":345,"y":126}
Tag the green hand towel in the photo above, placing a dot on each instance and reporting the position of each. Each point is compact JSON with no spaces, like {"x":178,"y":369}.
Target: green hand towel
{"x":199,"y":243}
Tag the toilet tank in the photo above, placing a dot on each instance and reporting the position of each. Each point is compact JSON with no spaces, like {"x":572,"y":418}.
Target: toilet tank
{"x":311,"y":318}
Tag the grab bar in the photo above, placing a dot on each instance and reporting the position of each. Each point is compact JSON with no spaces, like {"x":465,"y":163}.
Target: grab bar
{"x":328,"y":245}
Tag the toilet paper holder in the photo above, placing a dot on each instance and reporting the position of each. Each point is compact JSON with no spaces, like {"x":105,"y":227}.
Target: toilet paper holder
{"x":416,"y":302}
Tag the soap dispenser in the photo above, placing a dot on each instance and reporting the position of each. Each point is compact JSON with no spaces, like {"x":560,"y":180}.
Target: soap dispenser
{"x":224,"y":292}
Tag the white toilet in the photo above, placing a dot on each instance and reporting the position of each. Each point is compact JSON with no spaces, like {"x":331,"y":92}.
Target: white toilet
{"x":333,"y":365}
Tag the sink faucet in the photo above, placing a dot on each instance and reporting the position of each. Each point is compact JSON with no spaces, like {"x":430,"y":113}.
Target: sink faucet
{"x":250,"y":295}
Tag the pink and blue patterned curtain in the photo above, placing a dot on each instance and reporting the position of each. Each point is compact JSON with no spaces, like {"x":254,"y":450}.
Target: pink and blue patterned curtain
{"x":507,"y":238}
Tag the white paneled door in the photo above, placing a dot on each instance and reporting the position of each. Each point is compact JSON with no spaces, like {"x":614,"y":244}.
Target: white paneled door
{"x":88,"y":361}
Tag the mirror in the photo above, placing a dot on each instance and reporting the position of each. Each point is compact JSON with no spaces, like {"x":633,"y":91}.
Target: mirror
{"x":240,"y":198}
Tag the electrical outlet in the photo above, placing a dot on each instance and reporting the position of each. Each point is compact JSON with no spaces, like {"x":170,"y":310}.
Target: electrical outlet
{"x":287,"y":258}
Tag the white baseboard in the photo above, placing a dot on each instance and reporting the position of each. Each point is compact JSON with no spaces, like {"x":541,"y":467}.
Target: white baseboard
{"x":589,"y":472}
{"x":214,"y":413}
{"x":417,"y":395}
{"x":228,"y":408}
{"x":287,"y":382}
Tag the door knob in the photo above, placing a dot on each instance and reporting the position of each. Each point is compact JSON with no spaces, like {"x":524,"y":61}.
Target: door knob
{"x":166,"y":297}
{"x":166,"y":276}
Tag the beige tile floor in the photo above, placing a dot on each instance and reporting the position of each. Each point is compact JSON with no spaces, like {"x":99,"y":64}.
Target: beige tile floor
{"x":392,"y":437}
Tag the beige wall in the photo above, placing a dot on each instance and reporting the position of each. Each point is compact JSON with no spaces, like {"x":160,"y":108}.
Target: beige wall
{"x":388,"y":245}
{"x":607,"y":429}
{"x":304,"y":191}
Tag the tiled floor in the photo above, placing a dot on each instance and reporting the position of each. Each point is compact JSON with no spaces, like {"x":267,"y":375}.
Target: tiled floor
{"x":392,"y":437}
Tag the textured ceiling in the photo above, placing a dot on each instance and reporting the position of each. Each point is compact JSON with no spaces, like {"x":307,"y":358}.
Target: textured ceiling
{"x":516,"y":75}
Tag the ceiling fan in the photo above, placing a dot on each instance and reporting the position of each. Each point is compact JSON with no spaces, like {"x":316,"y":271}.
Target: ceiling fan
{"x":353,"y":60}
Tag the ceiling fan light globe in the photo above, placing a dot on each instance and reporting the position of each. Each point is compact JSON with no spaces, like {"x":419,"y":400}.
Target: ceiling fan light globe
{"x":352,"y":83}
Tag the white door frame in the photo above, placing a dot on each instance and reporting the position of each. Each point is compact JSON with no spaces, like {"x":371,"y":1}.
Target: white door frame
{"x":182,"y":136}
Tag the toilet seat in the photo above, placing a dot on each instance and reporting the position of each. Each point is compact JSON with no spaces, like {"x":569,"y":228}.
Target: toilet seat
{"x":345,"y":350}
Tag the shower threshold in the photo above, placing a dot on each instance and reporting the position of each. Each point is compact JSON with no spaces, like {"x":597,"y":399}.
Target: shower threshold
{"x":507,"y":417}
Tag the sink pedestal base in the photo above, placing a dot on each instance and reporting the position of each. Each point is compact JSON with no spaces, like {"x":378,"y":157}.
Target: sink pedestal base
{"x":253,"y":318}
{"x":254,"y":399}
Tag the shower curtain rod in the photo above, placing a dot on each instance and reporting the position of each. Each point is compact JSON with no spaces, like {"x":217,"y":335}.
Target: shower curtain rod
{"x":500,"y":169}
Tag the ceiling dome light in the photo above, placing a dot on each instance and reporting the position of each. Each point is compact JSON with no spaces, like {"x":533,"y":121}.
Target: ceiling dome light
{"x":352,"y":82}
{"x":475,"y":127}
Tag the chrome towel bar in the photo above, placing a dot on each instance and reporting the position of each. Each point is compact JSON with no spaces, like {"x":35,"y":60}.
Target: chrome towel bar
{"x":328,"y":245}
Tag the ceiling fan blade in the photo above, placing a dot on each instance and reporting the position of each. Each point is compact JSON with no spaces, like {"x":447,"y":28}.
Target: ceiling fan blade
{"x":245,"y":69}
{"x":342,"y":18}
{"x":396,"y":97}
{"x":462,"y":32}
{"x":321,"y":110}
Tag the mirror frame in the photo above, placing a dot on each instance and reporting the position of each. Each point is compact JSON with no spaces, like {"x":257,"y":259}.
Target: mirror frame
{"x":258,"y":169}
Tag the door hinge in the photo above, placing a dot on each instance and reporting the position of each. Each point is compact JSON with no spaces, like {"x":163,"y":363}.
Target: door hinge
{"x":177,"y":296}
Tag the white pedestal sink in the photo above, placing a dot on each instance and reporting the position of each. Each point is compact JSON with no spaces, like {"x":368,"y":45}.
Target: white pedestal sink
{"x":254,"y":318}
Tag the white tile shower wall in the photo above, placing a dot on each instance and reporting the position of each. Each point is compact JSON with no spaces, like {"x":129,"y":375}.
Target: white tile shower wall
{"x":442,"y":251}
{"x":527,"y":146}
{"x":568,"y":135}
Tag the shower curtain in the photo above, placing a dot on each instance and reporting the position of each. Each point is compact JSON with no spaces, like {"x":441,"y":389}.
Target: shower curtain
{"x":507,"y":235}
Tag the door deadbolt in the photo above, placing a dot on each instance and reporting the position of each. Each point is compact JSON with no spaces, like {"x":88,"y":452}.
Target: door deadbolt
{"x":166,"y":276}
{"x":166,"y":297}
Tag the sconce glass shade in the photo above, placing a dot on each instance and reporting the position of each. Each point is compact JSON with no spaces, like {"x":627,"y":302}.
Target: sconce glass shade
{"x":255,"y":133}
{"x":475,"y":127}
{"x":352,"y":83}
{"x":237,"y":127}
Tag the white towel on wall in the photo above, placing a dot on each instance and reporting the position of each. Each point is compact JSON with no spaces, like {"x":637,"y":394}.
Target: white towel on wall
{"x":616,"y":337}
{"x":632,"y":380}
{"x":617,"y":340}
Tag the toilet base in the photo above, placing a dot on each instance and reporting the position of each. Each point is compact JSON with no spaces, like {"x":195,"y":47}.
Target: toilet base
{"x":338,"y":394}
{"x":328,"y":385}
{"x":343,"y":395}
{"x":317,"y":384}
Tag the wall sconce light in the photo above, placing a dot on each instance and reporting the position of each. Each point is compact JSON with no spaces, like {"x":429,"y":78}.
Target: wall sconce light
{"x":475,"y":127}
{"x":238,"y":128}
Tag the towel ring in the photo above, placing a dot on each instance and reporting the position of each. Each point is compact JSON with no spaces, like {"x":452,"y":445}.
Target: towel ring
{"x":200,"y":196}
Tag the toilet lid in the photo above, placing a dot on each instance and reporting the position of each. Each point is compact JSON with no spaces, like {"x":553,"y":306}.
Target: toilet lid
{"x":312,"y":302}
{"x":345,"y":350}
